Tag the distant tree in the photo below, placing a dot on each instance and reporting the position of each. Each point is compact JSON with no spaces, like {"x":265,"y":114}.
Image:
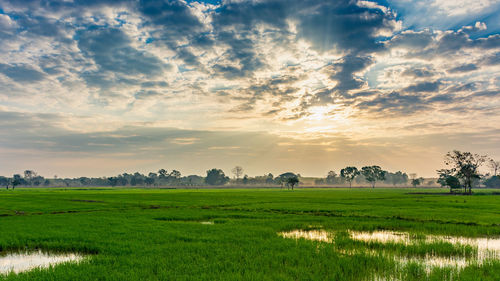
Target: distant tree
{"x":245,"y":179}
{"x":373,"y":174}
{"x":331,"y":178}
{"x":4,"y":181}
{"x":319,"y":181}
{"x":162,"y":174}
{"x":416,"y":181}
{"x":67,"y":182}
{"x":216,"y":177}
{"x":282,"y":179}
{"x":113,"y":181}
{"x":29,"y":175}
{"x":494,"y":166}
{"x":269,"y":178}
{"x":237,"y":171}
{"x":492,"y":182}
{"x":36,"y":181}
{"x":349,"y":173}
{"x":465,"y":165}
{"x":151,"y":179}
{"x":175,"y":174}
{"x":84,"y":181}
{"x":292,"y":181}
{"x":123,"y":180}
{"x":16,"y":180}
{"x":446,"y":179}
{"x":399,"y":178}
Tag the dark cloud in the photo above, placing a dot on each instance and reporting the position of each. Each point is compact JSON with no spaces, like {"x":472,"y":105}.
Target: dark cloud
{"x":411,"y":40}
{"x":110,"y":49}
{"x":417,"y":72}
{"x":463,"y":87}
{"x":344,"y":72}
{"x":428,"y":45}
{"x":489,"y":94}
{"x":173,"y":18}
{"x":463,"y":68}
{"x":342,"y":25}
{"x":21,"y":73}
{"x":154,"y":84}
{"x":142,"y":95}
{"x":40,"y":26}
{"x":423,"y":87}
{"x":393,"y":104}
{"x":174,"y":22}
{"x":241,"y":60}
{"x":246,"y":14}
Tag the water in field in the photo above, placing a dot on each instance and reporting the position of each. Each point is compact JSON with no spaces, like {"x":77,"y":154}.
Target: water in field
{"x":487,"y":248}
{"x":19,"y":262}
{"x":317,"y":235}
{"x":207,"y":222}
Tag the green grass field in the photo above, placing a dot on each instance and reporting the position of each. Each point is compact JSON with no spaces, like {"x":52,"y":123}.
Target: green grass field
{"x":140,"y":234}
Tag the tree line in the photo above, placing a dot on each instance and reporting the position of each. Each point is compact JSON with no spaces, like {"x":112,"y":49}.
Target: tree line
{"x":462,"y":172}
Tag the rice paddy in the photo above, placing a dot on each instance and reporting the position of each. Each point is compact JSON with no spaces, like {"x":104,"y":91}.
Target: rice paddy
{"x":259,"y":234}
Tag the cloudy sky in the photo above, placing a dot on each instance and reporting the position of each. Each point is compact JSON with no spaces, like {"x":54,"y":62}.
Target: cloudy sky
{"x":103,"y":87}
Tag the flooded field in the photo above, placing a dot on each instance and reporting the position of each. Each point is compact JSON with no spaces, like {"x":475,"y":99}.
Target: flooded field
{"x":486,"y":249}
{"x":258,"y":234}
{"x":19,"y":262}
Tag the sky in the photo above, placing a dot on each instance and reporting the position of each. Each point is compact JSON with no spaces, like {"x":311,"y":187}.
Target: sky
{"x":98,"y":88}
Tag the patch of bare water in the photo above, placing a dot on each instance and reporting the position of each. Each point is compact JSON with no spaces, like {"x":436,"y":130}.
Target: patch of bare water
{"x":487,"y":248}
{"x":19,"y":262}
{"x":316,"y":235}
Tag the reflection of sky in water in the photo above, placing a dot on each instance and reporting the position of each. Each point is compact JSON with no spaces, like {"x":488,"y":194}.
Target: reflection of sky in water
{"x":18,"y":262}
{"x":488,"y":248}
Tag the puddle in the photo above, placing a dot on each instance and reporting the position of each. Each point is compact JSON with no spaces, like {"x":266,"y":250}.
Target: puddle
{"x":317,"y":235}
{"x":19,"y":262}
{"x":430,"y":261}
{"x":381,"y":236}
{"x":207,"y":222}
{"x":487,"y":248}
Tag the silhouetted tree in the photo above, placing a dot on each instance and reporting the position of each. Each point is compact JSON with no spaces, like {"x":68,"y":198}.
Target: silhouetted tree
{"x":494,"y":165}
{"x":29,"y":175}
{"x":492,"y":182}
{"x":113,"y":181}
{"x":292,"y":181}
{"x":4,"y":181}
{"x":331,"y":178}
{"x":175,"y":174}
{"x":269,"y":178}
{"x":282,"y":179}
{"x":465,"y":165}
{"x":349,"y":173}
{"x":162,"y":174}
{"x":447,"y":179}
{"x":373,"y":174}
{"x":216,"y":177}
{"x":237,"y":171}
{"x":16,"y":180}
{"x":416,"y":181}
{"x":84,"y":181}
